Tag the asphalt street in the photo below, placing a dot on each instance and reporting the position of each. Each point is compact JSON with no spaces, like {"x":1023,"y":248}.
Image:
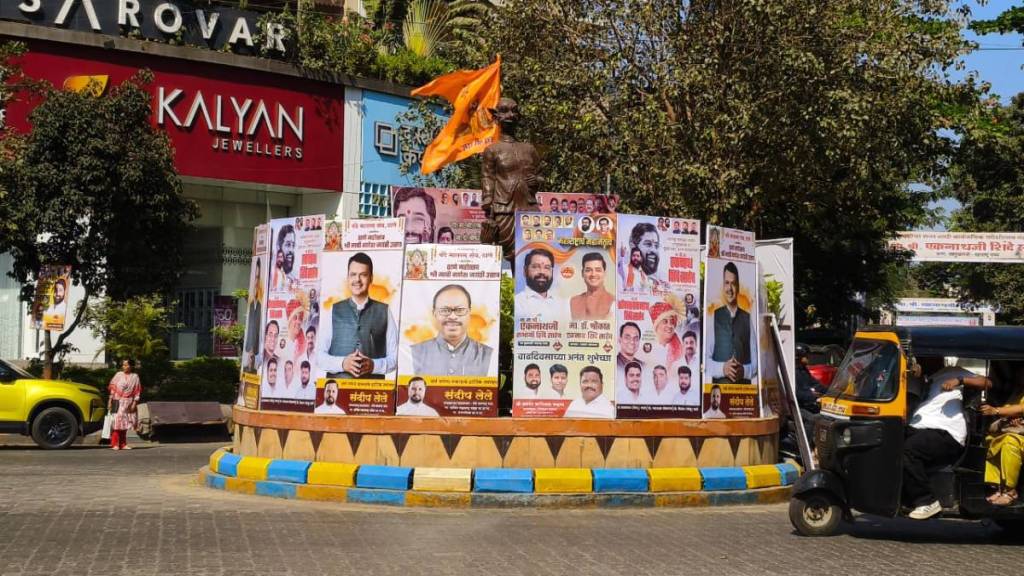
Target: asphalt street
{"x":93,"y":511}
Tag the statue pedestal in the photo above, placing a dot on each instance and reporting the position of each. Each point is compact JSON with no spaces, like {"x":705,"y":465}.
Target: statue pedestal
{"x":506,"y":442}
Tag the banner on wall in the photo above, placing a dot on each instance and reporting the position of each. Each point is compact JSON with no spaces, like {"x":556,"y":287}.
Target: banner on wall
{"x":357,"y":347}
{"x":730,"y":331}
{"x":438,"y":215}
{"x":564,"y":316}
{"x":50,"y":301}
{"x":568,"y":203}
{"x":657,"y":372}
{"x":292,"y":314}
{"x":448,"y":348}
{"x":987,"y":247}
{"x":255,"y":349}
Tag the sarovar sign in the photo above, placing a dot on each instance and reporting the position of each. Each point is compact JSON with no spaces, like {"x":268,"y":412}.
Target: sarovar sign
{"x":225,"y":123}
{"x":178,"y":21}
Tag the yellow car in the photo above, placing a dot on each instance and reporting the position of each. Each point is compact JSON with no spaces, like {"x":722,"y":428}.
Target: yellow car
{"x":53,"y":412}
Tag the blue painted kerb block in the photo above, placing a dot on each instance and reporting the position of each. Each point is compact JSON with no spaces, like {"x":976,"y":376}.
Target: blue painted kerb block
{"x":293,"y":471}
{"x":503,"y":480}
{"x":387,"y":477}
{"x":228,"y":464}
{"x":620,"y":480}
{"x":788,"y":473}
{"x":724,"y":478}
{"x":275,"y":489}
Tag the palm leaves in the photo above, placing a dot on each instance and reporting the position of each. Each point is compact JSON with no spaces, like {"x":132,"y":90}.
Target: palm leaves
{"x":425,"y":29}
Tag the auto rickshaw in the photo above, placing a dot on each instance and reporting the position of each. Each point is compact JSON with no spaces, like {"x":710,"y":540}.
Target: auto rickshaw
{"x":859,"y":433}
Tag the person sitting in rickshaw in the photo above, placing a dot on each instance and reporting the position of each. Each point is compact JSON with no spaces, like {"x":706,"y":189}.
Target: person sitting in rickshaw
{"x":937,"y":433}
{"x":1006,"y":444}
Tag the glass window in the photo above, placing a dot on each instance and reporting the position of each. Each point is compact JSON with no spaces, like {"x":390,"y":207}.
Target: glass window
{"x":869,"y":372}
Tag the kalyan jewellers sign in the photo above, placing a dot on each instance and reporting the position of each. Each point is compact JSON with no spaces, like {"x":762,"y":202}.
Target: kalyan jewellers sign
{"x":177,"y":22}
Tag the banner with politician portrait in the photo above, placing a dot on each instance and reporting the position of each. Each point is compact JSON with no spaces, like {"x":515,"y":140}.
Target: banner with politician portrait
{"x":448,"y":344}
{"x":50,"y":301}
{"x":438,"y":215}
{"x":564,"y":316}
{"x":731,"y":325}
{"x":657,"y":373}
{"x":254,"y":347}
{"x":361,"y":298}
{"x":292,"y":314}
{"x":573,"y":203}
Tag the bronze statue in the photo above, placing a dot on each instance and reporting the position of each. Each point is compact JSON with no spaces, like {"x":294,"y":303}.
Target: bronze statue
{"x":510,"y":179}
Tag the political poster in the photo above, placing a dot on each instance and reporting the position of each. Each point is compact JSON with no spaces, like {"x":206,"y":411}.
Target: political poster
{"x":50,"y":301}
{"x":569,"y":203}
{"x":564,"y":316}
{"x":657,"y":373}
{"x":940,"y":246}
{"x":255,"y":349}
{"x":438,"y":215}
{"x":292,"y":314}
{"x":357,"y":346}
{"x":730,"y":329}
{"x":448,"y":345}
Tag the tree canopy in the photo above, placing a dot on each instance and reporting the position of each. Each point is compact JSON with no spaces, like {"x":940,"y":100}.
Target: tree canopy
{"x":790,"y":118}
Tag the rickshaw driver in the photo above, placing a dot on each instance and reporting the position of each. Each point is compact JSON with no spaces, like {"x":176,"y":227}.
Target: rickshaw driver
{"x":937,"y":433}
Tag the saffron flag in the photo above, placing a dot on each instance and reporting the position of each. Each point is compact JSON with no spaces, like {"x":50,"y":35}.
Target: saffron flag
{"x":470,"y":129}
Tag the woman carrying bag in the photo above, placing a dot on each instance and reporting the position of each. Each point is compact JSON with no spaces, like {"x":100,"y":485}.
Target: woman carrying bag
{"x":125,"y":390}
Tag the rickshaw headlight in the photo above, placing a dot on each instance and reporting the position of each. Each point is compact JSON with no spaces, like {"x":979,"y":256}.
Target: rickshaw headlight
{"x":846,"y":437}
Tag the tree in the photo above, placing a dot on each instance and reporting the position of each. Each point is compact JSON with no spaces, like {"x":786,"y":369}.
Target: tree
{"x":94,"y":186}
{"x":987,"y":178}
{"x":790,"y":118}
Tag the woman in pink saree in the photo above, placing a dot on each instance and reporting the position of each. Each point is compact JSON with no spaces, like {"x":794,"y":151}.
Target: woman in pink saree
{"x":125,"y":390}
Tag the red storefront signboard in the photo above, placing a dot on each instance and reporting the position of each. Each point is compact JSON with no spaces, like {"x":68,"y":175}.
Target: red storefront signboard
{"x":224,"y":123}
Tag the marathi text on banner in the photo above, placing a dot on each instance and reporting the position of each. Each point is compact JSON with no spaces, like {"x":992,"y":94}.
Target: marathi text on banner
{"x":990,"y":247}
{"x":564,"y":316}
{"x":448,"y":349}
{"x":731,"y":355}
{"x":439,"y":215}
{"x":657,"y":371}
{"x":357,"y":347}
{"x":292,"y":314}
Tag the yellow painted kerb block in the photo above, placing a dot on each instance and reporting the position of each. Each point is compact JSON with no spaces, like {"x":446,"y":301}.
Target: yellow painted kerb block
{"x":562,"y":480}
{"x":674,"y":479}
{"x":442,"y":479}
{"x":332,"y":474}
{"x":215,"y":459}
{"x":253,"y":468}
{"x":240,"y":485}
{"x":762,"y":476}
{"x":321,"y":493}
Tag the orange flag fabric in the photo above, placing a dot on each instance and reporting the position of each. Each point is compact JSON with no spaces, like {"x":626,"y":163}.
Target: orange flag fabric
{"x":470,"y":129}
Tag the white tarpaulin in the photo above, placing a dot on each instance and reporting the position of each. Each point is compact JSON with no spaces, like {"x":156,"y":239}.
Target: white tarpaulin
{"x":775,"y":261}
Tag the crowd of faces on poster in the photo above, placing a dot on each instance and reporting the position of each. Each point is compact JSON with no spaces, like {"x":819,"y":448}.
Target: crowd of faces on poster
{"x":400,"y":316}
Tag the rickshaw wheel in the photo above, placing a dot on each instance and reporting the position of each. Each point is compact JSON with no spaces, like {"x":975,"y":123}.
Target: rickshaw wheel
{"x":816,"y":513}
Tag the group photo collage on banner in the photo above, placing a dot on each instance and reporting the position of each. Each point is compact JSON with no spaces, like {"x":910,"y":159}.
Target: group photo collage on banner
{"x":360,"y":303}
{"x":292,"y":314}
{"x":564,"y":316}
{"x":256,"y":348}
{"x":448,"y":347}
{"x":731,"y":309}
{"x":657,"y":371}
{"x":438,"y":215}
{"x":573,"y":203}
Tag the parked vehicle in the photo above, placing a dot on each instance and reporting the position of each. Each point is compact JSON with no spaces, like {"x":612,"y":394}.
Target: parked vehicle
{"x":53,"y":412}
{"x":823,"y":361}
{"x":860,"y":432}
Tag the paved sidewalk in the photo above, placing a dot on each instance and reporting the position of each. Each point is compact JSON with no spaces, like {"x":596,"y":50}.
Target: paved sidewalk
{"x":93,"y":511}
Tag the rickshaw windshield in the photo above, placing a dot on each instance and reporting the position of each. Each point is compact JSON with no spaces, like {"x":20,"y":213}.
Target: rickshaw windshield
{"x":870,"y":371}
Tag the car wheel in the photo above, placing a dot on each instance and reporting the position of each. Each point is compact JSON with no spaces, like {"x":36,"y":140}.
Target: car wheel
{"x":816,"y":513}
{"x":54,"y":428}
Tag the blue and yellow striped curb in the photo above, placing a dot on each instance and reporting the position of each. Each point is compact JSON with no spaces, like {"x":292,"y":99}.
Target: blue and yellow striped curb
{"x":498,"y":487}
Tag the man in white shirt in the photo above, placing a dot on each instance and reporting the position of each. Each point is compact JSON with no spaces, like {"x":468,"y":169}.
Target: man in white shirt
{"x":936,"y":435}
{"x":531,"y":377}
{"x":732,"y":341}
{"x":629,"y":392}
{"x":715,"y":410}
{"x":416,"y":404}
{"x":661,"y":394}
{"x":591,"y":403}
{"x":305,"y":390}
{"x":688,"y":394}
{"x":535,"y":301}
{"x":559,"y":378}
{"x":330,"y":403}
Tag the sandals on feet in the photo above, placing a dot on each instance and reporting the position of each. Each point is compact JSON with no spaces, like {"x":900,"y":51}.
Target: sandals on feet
{"x":1002,"y":498}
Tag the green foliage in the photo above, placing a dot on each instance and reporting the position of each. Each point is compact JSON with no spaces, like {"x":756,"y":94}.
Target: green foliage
{"x":774,"y":288}
{"x":1010,"y":20}
{"x":136,"y":328}
{"x":198,"y":380}
{"x":405,"y":67}
{"x":987,"y":178}
{"x":794,"y":117}
{"x":424,"y":30}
